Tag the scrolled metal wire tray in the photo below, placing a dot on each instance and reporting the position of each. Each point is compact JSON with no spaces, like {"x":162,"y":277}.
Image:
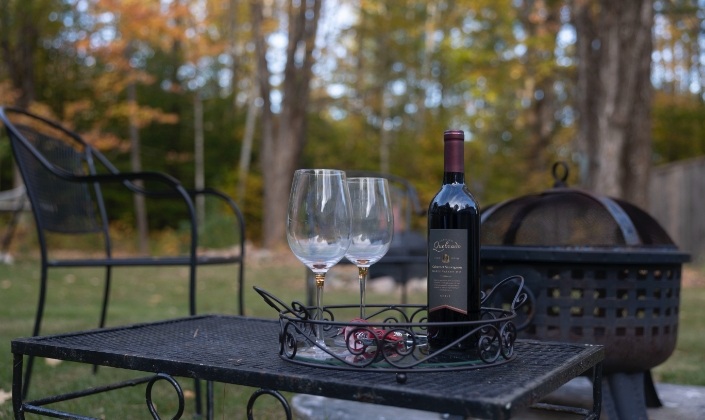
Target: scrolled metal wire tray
{"x":393,"y":338}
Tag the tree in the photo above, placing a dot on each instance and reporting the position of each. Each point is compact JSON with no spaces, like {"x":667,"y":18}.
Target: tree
{"x":23,"y":27}
{"x":284,"y":133}
{"x":541,"y":23}
{"x":679,"y":78}
{"x":614,"y":95}
{"x":125,"y":56}
{"x":389,"y":78}
{"x":20,"y":31}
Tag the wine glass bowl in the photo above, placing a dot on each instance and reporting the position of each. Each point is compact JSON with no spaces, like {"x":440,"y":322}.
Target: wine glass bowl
{"x":372,"y":226}
{"x":318,"y":224}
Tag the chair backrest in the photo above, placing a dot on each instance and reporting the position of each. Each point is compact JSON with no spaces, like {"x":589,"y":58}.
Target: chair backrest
{"x":47,"y":155}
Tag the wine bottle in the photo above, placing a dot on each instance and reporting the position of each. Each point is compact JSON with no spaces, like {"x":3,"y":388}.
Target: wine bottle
{"x":453,"y":251}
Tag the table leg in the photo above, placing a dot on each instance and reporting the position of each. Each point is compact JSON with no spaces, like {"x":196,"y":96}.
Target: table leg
{"x":209,"y":400}
{"x":596,"y":391}
{"x":17,"y":386}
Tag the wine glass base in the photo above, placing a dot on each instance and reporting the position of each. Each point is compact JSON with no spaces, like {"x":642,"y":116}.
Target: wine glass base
{"x":330,"y":348}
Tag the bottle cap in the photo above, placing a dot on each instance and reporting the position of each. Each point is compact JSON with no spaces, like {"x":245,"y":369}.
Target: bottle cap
{"x":453,"y":142}
{"x":454,"y":135}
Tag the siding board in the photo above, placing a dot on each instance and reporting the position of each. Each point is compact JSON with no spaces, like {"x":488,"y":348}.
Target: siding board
{"x":677,"y":201}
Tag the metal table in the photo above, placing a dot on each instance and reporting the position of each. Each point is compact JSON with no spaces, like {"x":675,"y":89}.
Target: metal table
{"x":242,"y":350}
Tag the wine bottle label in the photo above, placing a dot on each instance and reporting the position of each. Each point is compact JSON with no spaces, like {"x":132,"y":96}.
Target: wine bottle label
{"x":447,"y":275}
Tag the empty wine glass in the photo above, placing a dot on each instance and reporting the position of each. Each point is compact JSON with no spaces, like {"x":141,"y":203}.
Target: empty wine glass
{"x":318,"y":225}
{"x":372,"y":226}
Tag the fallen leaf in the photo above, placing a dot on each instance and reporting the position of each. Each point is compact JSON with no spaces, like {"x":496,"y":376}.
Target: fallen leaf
{"x":53,"y":362}
{"x":5,"y":396}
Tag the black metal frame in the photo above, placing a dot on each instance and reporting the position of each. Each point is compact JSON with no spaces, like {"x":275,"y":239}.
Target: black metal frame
{"x":31,"y":161}
{"x":394,"y":338}
{"x":38,"y":406}
{"x":242,"y":351}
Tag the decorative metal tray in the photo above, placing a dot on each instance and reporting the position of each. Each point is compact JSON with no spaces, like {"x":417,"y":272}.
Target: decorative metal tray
{"x":393,"y":338}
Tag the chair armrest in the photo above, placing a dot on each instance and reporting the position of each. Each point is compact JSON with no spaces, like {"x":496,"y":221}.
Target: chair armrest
{"x":174,"y":190}
{"x":208,"y":191}
{"x":128,"y":178}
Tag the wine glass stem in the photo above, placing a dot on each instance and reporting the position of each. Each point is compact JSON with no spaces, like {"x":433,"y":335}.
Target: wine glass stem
{"x":362,"y":274}
{"x":320,"y":280}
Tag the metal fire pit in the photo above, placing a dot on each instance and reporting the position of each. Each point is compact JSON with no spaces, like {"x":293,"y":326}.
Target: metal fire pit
{"x":598,"y":270}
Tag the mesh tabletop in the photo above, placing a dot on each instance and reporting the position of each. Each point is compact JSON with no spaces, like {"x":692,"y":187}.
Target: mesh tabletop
{"x":244,"y":351}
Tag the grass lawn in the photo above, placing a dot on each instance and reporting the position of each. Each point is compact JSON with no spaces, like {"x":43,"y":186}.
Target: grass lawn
{"x":144,"y":294}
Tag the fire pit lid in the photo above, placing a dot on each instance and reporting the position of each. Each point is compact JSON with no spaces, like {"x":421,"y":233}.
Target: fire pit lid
{"x":571,"y":218}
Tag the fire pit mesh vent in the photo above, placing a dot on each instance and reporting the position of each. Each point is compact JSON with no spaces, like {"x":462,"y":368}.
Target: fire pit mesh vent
{"x":632,"y":309}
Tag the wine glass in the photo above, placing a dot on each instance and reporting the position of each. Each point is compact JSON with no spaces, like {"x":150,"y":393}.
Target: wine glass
{"x":372,"y":226}
{"x":318,"y":225}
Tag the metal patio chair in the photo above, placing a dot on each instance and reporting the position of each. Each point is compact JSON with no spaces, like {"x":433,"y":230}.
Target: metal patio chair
{"x":66,"y":180}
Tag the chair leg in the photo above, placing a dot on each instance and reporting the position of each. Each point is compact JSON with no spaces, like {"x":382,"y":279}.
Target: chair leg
{"x":192,"y":289}
{"x":106,"y":297}
{"x":192,"y":311}
{"x":240,"y":288}
{"x":37,"y":325}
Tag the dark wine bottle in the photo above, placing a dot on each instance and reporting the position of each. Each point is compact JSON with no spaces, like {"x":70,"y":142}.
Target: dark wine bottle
{"x":453,"y":252}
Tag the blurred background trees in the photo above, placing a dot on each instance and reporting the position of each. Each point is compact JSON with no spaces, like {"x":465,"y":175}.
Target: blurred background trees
{"x":177,"y":85}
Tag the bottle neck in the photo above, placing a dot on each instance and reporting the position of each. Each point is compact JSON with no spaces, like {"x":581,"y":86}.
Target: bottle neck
{"x":453,"y":178}
{"x":453,"y":162}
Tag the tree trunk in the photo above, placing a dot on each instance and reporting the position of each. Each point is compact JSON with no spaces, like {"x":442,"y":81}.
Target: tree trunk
{"x":541,"y":21}
{"x":614,"y":95}
{"x":284,"y":135}
{"x":136,"y":166}
{"x":19,"y":35}
{"x":198,"y":153}
{"x":384,"y":136}
{"x":246,"y":151}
